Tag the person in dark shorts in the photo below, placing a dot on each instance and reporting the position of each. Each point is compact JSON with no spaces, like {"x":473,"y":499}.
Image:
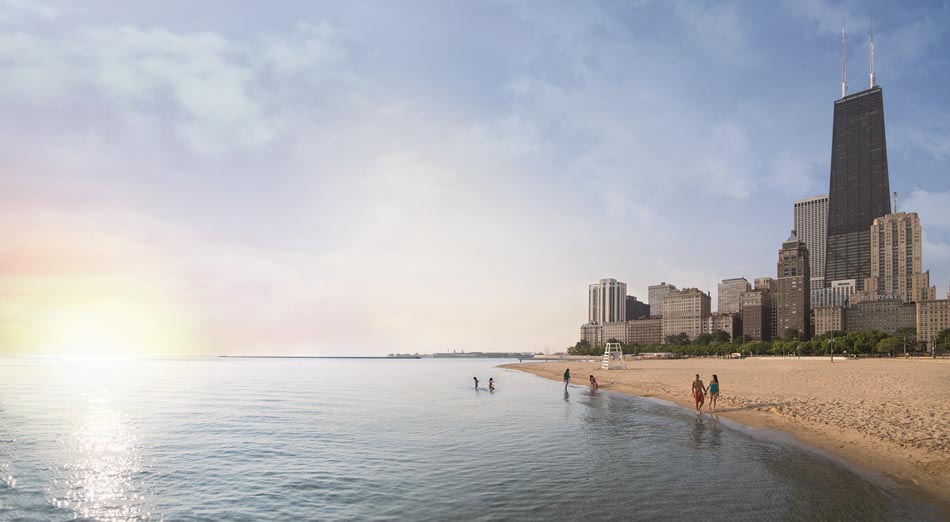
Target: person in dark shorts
{"x":476,"y":382}
{"x":491,"y":384}
{"x":567,"y":378}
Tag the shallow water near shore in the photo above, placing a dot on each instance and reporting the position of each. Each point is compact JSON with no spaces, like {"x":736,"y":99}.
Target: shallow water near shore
{"x":323,"y":439}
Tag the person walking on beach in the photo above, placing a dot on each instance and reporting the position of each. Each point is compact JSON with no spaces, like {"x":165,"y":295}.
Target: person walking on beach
{"x":593,"y":383}
{"x":491,"y":384}
{"x":699,"y":394}
{"x":567,"y":378}
{"x":476,"y":382}
{"x":713,"y":392}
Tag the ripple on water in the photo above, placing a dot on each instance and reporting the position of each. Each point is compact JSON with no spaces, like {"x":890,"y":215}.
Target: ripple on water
{"x":389,"y":440}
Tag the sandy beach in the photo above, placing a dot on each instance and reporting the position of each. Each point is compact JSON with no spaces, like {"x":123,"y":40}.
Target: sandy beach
{"x":889,"y":416}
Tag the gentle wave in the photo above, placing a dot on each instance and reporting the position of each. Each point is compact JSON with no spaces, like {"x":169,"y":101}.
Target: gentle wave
{"x":211,"y":439}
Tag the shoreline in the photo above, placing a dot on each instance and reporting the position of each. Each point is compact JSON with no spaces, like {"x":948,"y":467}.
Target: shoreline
{"x":912,"y":450}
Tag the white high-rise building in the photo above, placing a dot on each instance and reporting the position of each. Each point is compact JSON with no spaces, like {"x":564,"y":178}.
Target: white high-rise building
{"x":607,"y":302}
{"x":811,"y":227}
{"x":730,"y":291}
{"x":838,"y":294}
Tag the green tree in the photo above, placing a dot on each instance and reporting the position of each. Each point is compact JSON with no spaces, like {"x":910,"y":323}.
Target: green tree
{"x":859,"y":342}
{"x":680,"y":339}
{"x":888,"y":345}
{"x":721,"y":336}
{"x":581,"y":348}
{"x":943,"y":340}
{"x":755,"y":347}
{"x":832,"y":334}
{"x":908,"y":337}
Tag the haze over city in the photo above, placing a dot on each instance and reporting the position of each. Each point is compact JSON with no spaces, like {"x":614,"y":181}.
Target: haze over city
{"x":341,"y":178}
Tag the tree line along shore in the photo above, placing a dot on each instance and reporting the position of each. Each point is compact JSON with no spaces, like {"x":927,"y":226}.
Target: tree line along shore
{"x":867,"y":343}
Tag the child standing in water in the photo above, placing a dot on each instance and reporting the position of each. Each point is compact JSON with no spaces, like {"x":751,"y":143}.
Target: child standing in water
{"x":713,"y":392}
{"x":593,"y":383}
{"x":491,"y":384}
{"x":567,"y":378}
{"x":476,"y":382}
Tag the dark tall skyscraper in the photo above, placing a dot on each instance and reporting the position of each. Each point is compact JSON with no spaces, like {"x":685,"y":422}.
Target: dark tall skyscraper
{"x":859,"y":190}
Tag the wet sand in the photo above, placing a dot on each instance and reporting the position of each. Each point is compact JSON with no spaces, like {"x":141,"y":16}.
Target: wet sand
{"x":890,"y":416}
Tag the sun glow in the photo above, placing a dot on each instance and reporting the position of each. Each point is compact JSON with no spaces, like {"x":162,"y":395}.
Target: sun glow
{"x":100,"y":321}
{"x":100,"y":329}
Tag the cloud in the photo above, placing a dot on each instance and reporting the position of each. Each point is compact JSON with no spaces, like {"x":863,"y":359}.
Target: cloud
{"x":822,"y":16}
{"x":935,"y":221}
{"x":932,"y":207}
{"x":722,"y":162}
{"x":30,"y":8}
{"x":384,"y":180}
{"x":902,"y":48}
{"x":934,"y":142}
{"x":715,"y":23}
{"x":215,"y":94}
{"x":798,"y":174}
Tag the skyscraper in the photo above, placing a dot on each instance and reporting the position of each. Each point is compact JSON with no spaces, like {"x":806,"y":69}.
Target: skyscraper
{"x":860,"y":190}
{"x":896,"y":261}
{"x":792,"y":290}
{"x":811,"y":226}
{"x":607,"y":302}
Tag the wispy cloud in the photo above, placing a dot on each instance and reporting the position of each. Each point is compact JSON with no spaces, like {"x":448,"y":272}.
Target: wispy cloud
{"x":334,"y":178}
{"x":213,"y":92}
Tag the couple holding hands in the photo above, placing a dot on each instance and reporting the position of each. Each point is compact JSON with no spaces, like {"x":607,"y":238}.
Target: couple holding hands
{"x":700,"y":391}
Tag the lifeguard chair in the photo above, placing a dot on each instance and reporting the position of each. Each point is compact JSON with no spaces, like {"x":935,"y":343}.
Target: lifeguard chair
{"x":613,"y":358}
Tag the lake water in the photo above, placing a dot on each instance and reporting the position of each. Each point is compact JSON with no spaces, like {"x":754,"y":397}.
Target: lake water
{"x":320,"y":439}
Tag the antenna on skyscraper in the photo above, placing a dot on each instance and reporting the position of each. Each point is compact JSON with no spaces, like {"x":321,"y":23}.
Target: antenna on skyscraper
{"x":871,"y":29}
{"x":895,"y":202}
{"x":844,"y":80}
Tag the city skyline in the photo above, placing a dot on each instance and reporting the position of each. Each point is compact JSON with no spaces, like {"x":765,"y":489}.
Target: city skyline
{"x":373,"y":178}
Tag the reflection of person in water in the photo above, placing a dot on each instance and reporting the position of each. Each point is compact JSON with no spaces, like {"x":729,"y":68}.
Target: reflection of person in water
{"x":706,"y":433}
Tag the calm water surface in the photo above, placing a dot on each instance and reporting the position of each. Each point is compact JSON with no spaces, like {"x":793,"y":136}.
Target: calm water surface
{"x":285,"y":439}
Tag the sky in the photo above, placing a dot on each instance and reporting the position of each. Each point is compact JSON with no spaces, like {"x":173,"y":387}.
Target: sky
{"x":341,"y":178}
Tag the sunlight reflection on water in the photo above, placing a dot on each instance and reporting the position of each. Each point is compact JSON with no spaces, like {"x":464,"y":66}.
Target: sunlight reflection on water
{"x":100,"y":461}
{"x":235,"y":439}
